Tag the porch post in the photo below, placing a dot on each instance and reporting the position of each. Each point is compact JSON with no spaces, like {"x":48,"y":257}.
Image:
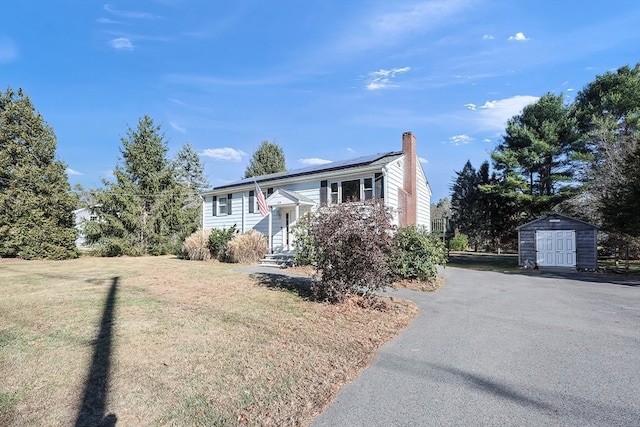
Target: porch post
{"x":295,"y":221}
{"x":270,"y":227}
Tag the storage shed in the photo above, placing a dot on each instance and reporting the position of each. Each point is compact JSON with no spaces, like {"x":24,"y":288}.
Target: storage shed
{"x":558,"y":241}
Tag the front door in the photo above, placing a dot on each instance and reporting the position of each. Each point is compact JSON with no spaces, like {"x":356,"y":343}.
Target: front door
{"x":556,"y":248}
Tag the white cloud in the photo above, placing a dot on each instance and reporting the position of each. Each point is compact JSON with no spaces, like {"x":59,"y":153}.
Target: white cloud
{"x":177,"y":127}
{"x":471,"y":107}
{"x":8,"y":50}
{"x":493,"y":115}
{"x":225,"y":153}
{"x":129,"y":13}
{"x":486,"y":140}
{"x":487,"y":37}
{"x":121,"y":43}
{"x":460,"y":139}
{"x":570,"y":89}
{"x":423,"y":160}
{"x":73,"y":172}
{"x":351,"y":150}
{"x":381,"y":79}
{"x":314,"y":161}
{"x":519,"y":37}
{"x":106,"y":21}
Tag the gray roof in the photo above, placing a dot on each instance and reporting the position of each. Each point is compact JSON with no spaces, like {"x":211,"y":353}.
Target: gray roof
{"x":380,"y":158}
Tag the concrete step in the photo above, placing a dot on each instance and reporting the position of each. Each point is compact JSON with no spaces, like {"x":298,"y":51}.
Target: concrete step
{"x":277,"y":260}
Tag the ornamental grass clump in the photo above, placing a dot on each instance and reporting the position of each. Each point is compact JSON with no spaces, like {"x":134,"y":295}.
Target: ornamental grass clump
{"x":195,"y":247}
{"x":249,"y":247}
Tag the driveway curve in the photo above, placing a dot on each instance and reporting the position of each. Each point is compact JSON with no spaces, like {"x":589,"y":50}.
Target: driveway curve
{"x":493,"y":349}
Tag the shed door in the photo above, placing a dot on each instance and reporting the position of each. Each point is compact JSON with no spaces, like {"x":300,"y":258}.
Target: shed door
{"x":556,"y":248}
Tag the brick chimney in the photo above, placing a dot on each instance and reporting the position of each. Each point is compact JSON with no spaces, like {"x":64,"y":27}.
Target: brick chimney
{"x":409,"y":195}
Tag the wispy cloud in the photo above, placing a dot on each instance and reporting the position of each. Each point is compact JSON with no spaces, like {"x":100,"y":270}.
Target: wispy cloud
{"x":121,"y":43}
{"x":106,"y":21}
{"x":382,"y":78}
{"x":177,"y":127}
{"x":570,"y":89}
{"x":423,"y":160}
{"x":351,"y":150}
{"x":493,"y":115}
{"x":487,"y":37}
{"x":8,"y":50}
{"x":486,"y":140}
{"x":73,"y":172}
{"x":314,"y":161}
{"x":460,"y":139}
{"x":130,"y":13}
{"x":471,"y":107}
{"x":225,"y":153}
{"x":519,"y":37}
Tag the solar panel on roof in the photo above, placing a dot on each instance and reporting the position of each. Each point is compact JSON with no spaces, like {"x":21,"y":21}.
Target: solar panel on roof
{"x":340,"y":164}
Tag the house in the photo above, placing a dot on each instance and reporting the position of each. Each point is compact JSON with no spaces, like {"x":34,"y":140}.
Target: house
{"x":396,"y":176}
{"x":81,"y":217}
{"x":557,"y":240}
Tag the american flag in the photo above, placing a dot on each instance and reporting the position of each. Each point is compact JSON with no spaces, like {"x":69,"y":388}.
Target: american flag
{"x":262,"y":202}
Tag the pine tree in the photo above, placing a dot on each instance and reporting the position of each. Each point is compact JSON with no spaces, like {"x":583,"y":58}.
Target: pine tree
{"x":36,"y":204}
{"x":190,"y":176}
{"x":142,"y":212}
{"x":268,"y":158}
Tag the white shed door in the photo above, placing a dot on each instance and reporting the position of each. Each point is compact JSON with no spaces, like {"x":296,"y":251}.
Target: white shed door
{"x":556,"y":248}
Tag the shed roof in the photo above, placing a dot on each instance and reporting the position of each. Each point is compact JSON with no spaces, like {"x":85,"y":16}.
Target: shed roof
{"x":379,"y":158}
{"x":555,"y":216}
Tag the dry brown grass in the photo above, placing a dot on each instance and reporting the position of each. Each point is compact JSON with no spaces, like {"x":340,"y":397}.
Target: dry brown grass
{"x":189,"y":344}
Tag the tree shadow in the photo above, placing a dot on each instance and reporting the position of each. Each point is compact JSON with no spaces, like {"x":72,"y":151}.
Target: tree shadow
{"x":301,"y":286}
{"x":92,"y":409}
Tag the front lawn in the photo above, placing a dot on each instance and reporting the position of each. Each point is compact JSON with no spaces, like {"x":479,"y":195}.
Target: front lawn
{"x":161,"y":341}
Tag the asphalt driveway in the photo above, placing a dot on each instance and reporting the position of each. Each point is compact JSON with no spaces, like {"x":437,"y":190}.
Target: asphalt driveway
{"x":492,"y":349}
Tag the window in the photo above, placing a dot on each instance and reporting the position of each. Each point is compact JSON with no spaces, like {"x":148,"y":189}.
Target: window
{"x":252,"y":201}
{"x":229,"y":203}
{"x":368,"y":188}
{"x":222,"y":206}
{"x":351,"y":191}
{"x":214,"y":206}
{"x":323,"y":192}
{"x":334,"y":192}
{"x":379,"y":185}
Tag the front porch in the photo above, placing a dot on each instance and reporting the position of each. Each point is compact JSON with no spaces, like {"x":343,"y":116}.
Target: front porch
{"x":287,"y":206}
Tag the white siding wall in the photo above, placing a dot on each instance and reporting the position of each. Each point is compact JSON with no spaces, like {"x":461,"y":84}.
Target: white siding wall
{"x":393,"y":182}
{"x":423,"y":204}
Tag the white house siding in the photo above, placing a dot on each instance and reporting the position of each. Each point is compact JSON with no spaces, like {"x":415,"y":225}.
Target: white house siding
{"x":423,"y":204}
{"x":394,"y":182}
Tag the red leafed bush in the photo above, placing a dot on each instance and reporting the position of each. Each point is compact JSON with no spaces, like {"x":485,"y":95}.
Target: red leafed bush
{"x":354,"y":243}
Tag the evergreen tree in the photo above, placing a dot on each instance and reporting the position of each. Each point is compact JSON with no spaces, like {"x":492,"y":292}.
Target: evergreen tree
{"x":268,"y":158}
{"x":539,"y":156}
{"x":36,"y":205}
{"x":464,"y":202}
{"x":190,"y":176}
{"x":608,"y":115}
{"x":143,"y":211}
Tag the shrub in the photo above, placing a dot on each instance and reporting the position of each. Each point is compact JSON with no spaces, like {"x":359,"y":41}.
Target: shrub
{"x":459,"y":242}
{"x":195,"y":247}
{"x":218,"y":239}
{"x":305,"y":247}
{"x":418,"y":255}
{"x":246,"y":248}
{"x":353,"y":243}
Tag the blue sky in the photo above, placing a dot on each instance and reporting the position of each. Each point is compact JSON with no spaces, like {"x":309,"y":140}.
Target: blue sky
{"x":327,"y":80}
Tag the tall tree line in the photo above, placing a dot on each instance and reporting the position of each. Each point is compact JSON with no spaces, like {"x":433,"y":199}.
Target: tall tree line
{"x":577,"y":158}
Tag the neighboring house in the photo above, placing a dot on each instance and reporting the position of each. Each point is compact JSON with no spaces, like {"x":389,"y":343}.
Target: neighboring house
{"x":82,"y":216}
{"x":397,"y":177}
{"x":557,"y":240}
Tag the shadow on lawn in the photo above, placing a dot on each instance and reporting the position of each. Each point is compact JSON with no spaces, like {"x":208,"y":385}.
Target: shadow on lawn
{"x":92,"y":409}
{"x":302,"y":286}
